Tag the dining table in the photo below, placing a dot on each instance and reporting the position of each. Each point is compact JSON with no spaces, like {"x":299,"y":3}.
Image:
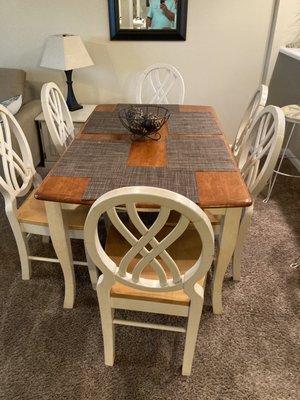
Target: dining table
{"x":192,"y":158}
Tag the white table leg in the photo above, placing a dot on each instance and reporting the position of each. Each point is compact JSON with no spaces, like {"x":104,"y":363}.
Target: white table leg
{"x":62,"y":246}
{"x":228,"y":239}
{"x":243,"y":232}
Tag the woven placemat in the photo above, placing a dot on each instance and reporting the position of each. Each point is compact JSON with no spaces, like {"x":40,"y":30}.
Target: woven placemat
{"x":199,"y":154}
{"x":104,"y":122}
{"x":183,"y":182}
{"x":86,"y":158}
{"x":109,"y":122}
{"x":105,"y":163}
{"x":196,"y":123}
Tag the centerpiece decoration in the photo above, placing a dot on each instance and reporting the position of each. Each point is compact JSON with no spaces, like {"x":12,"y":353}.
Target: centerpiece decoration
{"x":144,"y":122}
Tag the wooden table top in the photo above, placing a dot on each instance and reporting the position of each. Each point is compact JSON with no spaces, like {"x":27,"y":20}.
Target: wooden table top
{"x":224,"y":189}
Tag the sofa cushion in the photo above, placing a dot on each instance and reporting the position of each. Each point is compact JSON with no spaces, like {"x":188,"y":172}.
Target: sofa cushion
{"x":13,"y":104}
{"x":26,"y":117}
{"x":12,"y":82}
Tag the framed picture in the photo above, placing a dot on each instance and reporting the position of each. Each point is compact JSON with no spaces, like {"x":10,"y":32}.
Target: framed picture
{"x":148,"y":19}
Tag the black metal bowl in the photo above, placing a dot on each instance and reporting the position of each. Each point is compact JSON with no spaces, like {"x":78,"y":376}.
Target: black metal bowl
{"x":144,"y":121}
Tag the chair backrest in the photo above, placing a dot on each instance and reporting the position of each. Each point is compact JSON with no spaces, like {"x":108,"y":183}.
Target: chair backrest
{"x":57,"y":116}
{"x":261,"y":148}
{"x":158,"y":82}
{"x":255,"y":106}
{"x":18,"y":172}
{"x":152,"y":252}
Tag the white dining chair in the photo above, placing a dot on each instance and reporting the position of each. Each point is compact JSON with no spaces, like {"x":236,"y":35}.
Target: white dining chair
{"x":57,"y":116}
{"x":158,"y":83}
{"x":16,"y":181}
{"x":154,"y":269}
{"x":255,"y":106}
{"x":259,"y":155}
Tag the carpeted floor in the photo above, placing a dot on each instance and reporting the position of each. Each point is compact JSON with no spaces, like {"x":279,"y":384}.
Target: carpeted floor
{"x":250,"y":352}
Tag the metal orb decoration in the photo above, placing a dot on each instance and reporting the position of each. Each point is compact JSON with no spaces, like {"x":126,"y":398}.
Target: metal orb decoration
{"x":144,"y":121}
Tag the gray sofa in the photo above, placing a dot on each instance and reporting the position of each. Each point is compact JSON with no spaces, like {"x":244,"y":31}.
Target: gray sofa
{"x":13,"y":83}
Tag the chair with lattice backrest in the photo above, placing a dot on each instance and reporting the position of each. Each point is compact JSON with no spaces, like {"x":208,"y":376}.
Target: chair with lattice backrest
{"x":57,"y":116}
{"x":158,"y":82}
{"x":255,"y":106}
{"x":258,"y":158}
{"x":17,"y":178}
{"x":150,"y":267}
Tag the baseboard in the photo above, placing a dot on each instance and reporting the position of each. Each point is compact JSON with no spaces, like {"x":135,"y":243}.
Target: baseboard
{"x":293,"y":159}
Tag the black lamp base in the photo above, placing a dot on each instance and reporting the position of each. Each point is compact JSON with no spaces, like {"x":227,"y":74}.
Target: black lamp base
{"x":71,"y":99}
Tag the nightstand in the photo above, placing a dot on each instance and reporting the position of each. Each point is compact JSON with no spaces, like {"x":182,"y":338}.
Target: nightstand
{"x":79,"y":117}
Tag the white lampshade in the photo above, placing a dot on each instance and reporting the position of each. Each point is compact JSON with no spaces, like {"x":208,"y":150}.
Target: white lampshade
{"x":65,"y":52}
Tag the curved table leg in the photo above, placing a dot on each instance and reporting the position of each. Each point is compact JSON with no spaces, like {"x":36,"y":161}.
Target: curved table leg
{"x":62,"y":246}
{"x":228,"y":239}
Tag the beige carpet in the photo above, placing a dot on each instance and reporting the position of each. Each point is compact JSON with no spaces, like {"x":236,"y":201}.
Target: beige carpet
{"x":250,"y":352}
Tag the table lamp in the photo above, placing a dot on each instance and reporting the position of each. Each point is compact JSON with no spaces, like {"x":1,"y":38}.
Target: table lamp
{"x":66,"y":52}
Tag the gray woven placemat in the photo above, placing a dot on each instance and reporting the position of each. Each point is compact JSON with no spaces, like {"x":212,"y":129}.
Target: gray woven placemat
{"x":180,"y":181}
{"x":86,"y":158}
{"x":199,"y":154}
{"x":104,"y":122}
{"x":109,"y":122}
{"x":197,"y":123}
{"x":104,"y":162}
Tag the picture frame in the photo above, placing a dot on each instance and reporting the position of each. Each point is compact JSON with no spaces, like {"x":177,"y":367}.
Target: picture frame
{"x":117,"y":33}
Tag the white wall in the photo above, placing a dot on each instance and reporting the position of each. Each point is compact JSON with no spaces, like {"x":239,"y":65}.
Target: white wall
{"x":221,"y":61}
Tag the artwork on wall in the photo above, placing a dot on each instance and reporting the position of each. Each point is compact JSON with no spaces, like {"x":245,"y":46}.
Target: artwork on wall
{"x":148,"y":19}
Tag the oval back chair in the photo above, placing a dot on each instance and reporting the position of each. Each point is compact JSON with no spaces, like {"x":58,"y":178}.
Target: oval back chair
{"x":258,"y":158}
{"x":18,"y":169}
{"x":158,"y":82}
{"x":261,"y":149}
{"x":17,"y":177}
{"x":57,"y":116}
{"x":255,"y":106}
{"x":148,"y":252}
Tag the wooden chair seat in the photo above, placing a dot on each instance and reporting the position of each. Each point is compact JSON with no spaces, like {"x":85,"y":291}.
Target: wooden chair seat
{"x":33,"y":212}
{"x":185,"y":251}
{"x":214,"y":219}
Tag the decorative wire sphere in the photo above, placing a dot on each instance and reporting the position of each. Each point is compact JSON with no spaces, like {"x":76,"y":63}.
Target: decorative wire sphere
{"x":144,"y":121}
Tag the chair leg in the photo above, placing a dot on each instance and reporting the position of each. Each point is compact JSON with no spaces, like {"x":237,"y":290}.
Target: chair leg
{"x":93,"y":270}
{"x":107,"y":223}
{"x":46,"y":239}
{"x":237,"y":256}
{"x":106,"y":313}
{"x":24,"y":252}
{"x":194,"y":317}
{"x":21,"y":242}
